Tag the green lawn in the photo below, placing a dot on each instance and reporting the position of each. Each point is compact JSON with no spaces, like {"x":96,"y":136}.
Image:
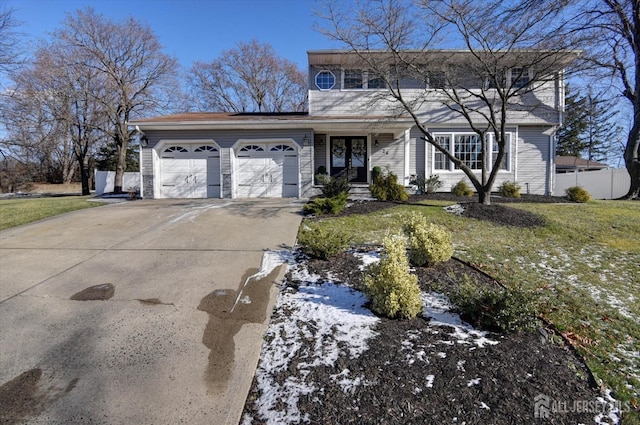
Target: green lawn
{"x":584,"y":264}
{"x":14,"y":212}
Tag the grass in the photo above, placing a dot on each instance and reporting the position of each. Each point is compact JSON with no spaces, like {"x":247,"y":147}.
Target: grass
{"x":15,"y":212}
{"x":584,"y":264}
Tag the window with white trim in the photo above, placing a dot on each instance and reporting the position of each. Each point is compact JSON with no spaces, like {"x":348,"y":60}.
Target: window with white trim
{"x":325,"y":80}
{"x":205,"y":148}
{"x":252,"y":148}
{"x":437,"y":79}
{"x":468,"y":148}
{"x":353,"y":79}
{"x":282,"y":148}
{"x":495,"y":149}
{"x":172,"y":149}
{"x":358,"y":79}
{"x":440,"y":160}
{"x":520,"y":77}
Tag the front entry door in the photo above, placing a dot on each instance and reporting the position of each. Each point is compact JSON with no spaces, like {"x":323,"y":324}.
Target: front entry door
{"x":349,"y":158}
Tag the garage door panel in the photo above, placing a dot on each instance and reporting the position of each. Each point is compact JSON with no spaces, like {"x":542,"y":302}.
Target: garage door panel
{"x":191,"y":175}
{"x":267,"y":174}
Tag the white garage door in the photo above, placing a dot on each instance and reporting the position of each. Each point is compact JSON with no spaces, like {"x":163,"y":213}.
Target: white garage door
{"x":267,"y":171}
{"x":190,"y":171}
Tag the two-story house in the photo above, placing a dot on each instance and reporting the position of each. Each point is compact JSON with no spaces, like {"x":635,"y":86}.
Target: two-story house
{"x":350,"y":128}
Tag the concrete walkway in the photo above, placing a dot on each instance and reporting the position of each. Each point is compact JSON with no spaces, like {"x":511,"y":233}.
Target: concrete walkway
{"x":140,"y":312}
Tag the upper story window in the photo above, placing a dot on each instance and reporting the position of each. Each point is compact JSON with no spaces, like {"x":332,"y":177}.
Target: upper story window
{"x":325,"y":80}
{"x":520,"y":77}
{"x":359,"y":79}
{"x":375,"y":81}
{"x":353,"y":79}
{"x":437,"y":80}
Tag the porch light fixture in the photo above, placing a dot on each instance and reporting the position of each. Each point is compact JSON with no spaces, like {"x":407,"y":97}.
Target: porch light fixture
{"x":305,"y":140}
{"x":376,"y":144}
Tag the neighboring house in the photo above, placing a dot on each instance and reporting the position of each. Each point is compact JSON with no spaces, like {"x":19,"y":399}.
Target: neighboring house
{"x":569,"y":164}
{"x":348,"y":130}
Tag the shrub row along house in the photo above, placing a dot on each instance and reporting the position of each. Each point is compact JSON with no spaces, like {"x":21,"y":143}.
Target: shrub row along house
{"x":354,"y":123}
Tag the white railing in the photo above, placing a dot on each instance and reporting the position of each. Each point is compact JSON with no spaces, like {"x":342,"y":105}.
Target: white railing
{"x":105,"y":180}
{"x":602,"y":184}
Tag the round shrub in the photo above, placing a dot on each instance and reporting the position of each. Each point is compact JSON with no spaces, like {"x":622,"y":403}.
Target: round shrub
{"x":393,"y":291}
{"x":509,"y":190}
{"x":578,"y":194}
{"x":387,"y":188}
{"x":322,"y":243}
{"x":428,"y":243}
{"x":461,"y":189}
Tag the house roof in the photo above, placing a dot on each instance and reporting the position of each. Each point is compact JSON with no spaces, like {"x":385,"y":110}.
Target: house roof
{"x":575,"y":163}
{"x":557,"y":58}
{"x":268,"y":120}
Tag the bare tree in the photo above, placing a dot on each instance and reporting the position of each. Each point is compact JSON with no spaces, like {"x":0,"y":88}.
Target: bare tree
{"x":511,"y":51}
{"x":613,"y":27}
{"x":9,"y":41}
{"x":138,"y":77}
{"x":54,"y":111}
{"x":249,"y":78}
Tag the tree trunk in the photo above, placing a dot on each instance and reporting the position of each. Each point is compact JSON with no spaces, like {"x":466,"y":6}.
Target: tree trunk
{"x":631,"y":159}
{"x":484,"y":197}
{"x":84,"y":176}
{"x":633,"y":167}
{"x":121,"y":166}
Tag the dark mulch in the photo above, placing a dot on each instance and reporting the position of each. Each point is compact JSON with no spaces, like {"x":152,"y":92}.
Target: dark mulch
{"x":502,"y":215}
{"x":446,"y":196}
{"x":412,"y":374}
{"x":495,"y":212}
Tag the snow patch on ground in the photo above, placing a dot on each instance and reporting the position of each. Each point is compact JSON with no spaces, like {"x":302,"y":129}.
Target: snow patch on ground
{"x":438,"y":307}
{"x":456,"y":209}
{"x":329,"y":315}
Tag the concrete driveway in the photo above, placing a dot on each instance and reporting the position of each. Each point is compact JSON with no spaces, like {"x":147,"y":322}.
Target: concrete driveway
{"x":138,"y":312}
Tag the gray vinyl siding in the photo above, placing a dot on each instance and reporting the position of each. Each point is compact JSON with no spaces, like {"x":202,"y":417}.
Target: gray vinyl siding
{"x":320,"y":152}
{"x":533,"y":156}
{"x":389,"y":154}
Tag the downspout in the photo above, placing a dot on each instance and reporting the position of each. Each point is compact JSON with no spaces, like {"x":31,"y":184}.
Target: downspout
{"x":552,"y":159}
{"x":407,"y":153}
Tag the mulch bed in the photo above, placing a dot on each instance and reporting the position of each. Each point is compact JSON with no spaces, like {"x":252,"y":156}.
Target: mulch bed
{"x":412,"y":375}
{"x":496,"y":212}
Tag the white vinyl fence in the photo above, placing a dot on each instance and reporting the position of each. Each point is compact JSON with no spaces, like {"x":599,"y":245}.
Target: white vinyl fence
{"x":602,"y":184}
{"x":105,"y":180}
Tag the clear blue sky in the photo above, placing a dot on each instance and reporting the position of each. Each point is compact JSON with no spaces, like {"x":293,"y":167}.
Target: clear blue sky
{"x":193,"y":30}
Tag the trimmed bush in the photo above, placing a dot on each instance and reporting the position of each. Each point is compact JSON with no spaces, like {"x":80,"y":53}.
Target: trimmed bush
{"x":497,"y":309}
{"x":428,"y":243}
{"x":322,"y":243}
{"x":509,"y":190}
{"x":578,"y":194}
{"x":386,"y":188}
{"x":332,"y":187}
{"x":461,"y":189}
{"x":320,"y":206}
{"x":393,"y":291}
